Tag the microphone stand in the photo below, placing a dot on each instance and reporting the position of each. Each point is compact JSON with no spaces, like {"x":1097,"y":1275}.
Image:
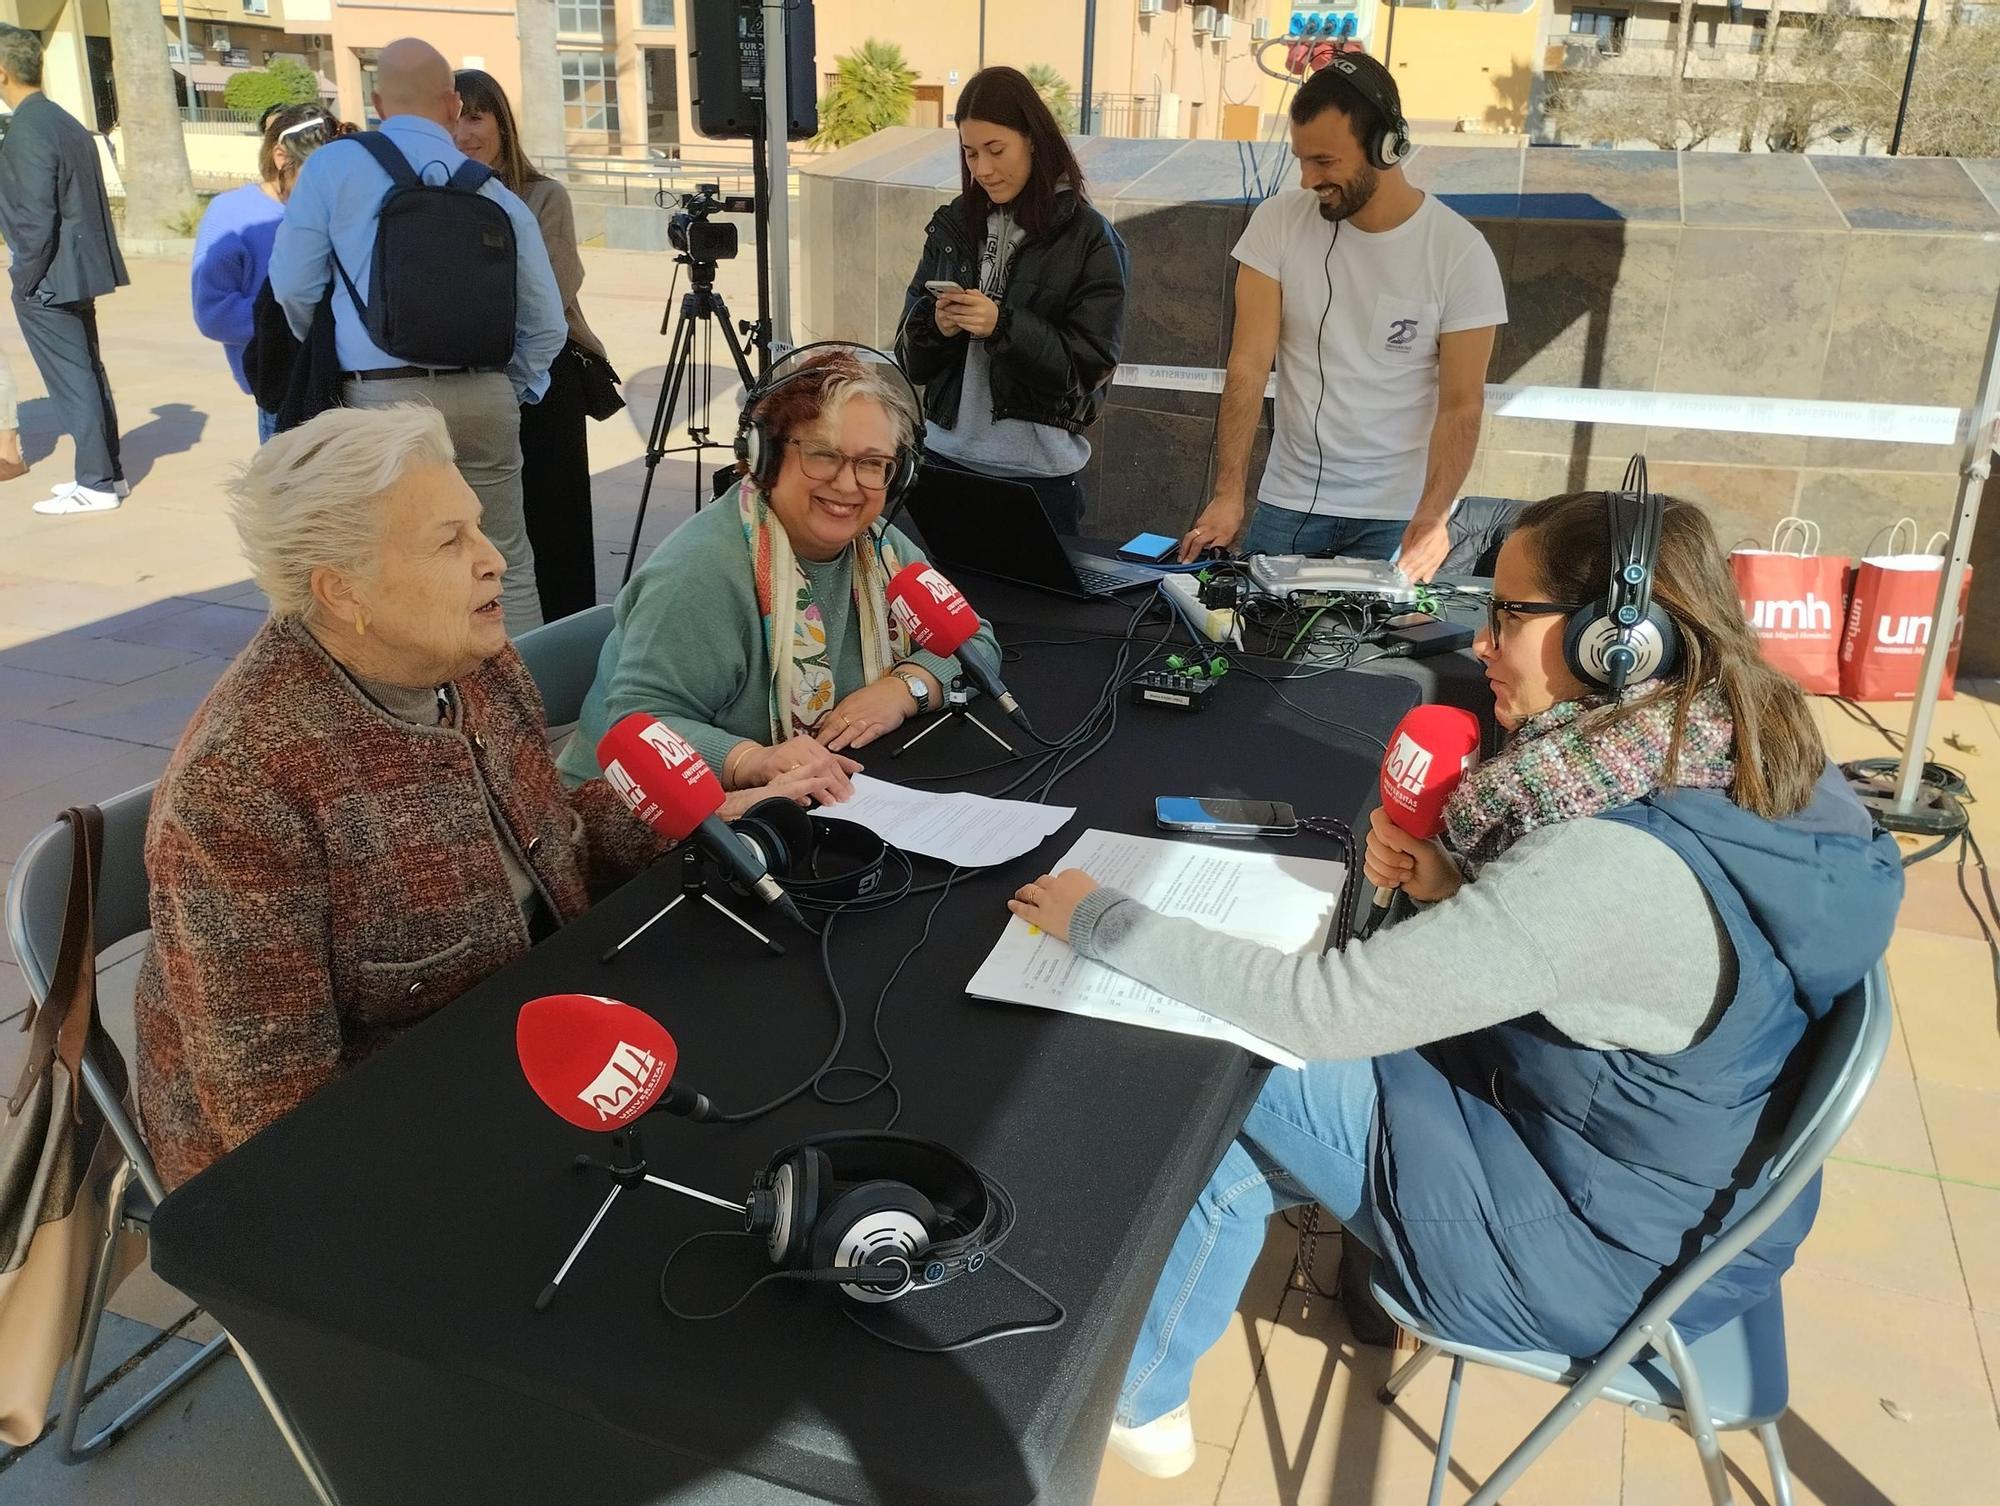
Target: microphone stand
{"x":627,"y":1168}
{"x":957,"y":707}
{"x":694,"y":885}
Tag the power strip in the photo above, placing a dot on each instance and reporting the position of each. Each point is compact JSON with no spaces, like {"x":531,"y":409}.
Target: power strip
{"x":1216,"y":624}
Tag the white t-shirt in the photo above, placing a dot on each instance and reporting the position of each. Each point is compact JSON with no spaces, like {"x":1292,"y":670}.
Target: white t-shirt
{"x":1393,"y":294}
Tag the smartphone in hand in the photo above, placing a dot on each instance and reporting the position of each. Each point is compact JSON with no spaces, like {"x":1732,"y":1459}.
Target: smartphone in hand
{"x":942,"y":286}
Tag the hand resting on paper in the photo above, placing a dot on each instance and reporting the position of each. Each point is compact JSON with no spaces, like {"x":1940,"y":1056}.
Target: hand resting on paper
{"x":1050,"y":901}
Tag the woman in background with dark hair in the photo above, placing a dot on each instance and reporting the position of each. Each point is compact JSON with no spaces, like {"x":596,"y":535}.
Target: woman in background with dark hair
{"x":555,"y":445}
{"x":1014,"y":365}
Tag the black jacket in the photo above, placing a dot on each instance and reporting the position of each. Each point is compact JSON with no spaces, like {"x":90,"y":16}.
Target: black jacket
{"x":53,"y":211}
{"x":295,"y":379}
{"x":1062,"y":319}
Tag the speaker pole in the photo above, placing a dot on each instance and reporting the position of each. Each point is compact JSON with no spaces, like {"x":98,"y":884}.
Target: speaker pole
{"x":777,"y":136}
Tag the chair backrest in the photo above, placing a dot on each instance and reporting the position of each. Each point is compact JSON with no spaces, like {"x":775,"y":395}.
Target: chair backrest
{"x":39,"y":888}
{"x":1851,"y":1043}
{"x":562,"y":657}
{"x":36,"y":900}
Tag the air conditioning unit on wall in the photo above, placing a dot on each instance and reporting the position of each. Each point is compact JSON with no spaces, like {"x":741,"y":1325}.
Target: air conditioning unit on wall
{"x":1150,"y":7}
{"x":1204,"y":20}
{"x":1260,"y":29}
{"x":1224,"y":25}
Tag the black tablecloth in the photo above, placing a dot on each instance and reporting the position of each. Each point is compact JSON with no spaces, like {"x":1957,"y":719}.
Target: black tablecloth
{"x":379,"y":1250}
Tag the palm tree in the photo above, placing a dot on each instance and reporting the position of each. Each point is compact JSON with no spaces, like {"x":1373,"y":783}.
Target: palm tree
{"x":1054,"y":90}
{"x":541,"y":106}
{"x":873,"y":87}
{"x":159,"y":190}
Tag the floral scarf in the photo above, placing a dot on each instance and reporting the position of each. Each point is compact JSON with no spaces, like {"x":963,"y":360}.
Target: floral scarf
{"x":802,"y":690}
{"x":1567,"y":763}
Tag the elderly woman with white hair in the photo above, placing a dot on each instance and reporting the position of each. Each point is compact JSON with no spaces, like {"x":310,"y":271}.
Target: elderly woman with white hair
{"x":362,"y":820}
{"x":760,"y":629}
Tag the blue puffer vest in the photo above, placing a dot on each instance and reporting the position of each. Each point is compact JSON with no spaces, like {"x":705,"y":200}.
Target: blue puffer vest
{"x":1531,"y":1191}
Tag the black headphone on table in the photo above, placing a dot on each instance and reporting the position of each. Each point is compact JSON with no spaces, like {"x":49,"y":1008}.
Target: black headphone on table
{"x":1626,"y":639}
{"x":1389,"y":143}
{"x":879,"y":1213}
{"x":760,"y":452}
{"x":812,"y":858}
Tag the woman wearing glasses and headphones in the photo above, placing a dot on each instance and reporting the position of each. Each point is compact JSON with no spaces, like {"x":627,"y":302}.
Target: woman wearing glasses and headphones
{"x":1529,"y":1099}
{"x":760,"y":629}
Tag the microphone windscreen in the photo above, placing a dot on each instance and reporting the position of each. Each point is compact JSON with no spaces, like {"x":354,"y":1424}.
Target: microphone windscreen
{"x":598,"y":1063}
{"x":666,"y":783}
{"x":1429,"y":753}
{"x":931,"y":609}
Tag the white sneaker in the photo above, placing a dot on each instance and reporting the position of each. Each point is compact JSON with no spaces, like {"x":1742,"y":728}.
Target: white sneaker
{"x":1162,"y":1448}
{"x":77,"y":499}
{"x":64,"y":488}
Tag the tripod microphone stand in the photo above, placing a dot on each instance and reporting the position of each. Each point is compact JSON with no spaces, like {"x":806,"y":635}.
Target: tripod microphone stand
{"x":626,"y":1168}
{"x":694,"y":885}
{"x":957,"y":708}
{"x":702,"y":308}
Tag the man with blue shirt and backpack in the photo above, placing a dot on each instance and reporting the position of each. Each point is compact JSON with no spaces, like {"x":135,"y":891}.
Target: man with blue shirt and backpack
{"x":440,"y":285}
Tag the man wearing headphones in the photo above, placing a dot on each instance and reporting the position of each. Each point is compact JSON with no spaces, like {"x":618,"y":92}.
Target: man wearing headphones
{"x":1380,"y":305}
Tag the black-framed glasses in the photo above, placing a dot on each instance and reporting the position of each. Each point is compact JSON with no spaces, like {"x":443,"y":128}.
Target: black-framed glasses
{"x":822,"y":464}
{"x":1498,"y":604}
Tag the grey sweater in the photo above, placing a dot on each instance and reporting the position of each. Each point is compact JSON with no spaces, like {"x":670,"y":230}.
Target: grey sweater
{"x":1594,"y":925}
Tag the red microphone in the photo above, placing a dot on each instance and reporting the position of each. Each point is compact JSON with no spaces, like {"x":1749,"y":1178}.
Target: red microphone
{"x":941,"y":621}
{"x":672,"y":789}
{"x":600,"y":1064}
{"x":1429,"y":753}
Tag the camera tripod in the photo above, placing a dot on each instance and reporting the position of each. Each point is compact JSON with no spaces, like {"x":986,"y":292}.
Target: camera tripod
{"x":703,"y":309}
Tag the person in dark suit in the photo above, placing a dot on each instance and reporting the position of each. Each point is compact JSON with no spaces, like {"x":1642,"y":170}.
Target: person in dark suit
{"x":56,"y":218}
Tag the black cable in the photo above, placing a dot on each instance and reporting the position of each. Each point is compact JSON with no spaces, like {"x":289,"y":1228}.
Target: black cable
{"x":1319,"y":350}
{"x":885,"y":1078}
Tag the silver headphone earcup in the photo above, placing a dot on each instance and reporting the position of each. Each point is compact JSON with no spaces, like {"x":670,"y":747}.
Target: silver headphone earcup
{"x":1594,"y":647}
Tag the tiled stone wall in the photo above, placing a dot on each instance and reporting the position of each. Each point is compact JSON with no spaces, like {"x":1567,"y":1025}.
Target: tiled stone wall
{"x":1787,"y":276}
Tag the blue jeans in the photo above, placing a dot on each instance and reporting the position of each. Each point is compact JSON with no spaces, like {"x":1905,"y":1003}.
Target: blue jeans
{"x":1306,"y":1140}
{"x":267,"y":425}
{"x":1284,"y":530}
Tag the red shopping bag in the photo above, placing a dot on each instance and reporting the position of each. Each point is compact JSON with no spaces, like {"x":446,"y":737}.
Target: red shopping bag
{"x":1889,"y":626}
{"x":1793,"y":597}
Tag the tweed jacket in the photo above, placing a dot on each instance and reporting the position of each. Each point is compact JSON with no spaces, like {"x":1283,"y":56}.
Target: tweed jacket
{"x":324,"y":875}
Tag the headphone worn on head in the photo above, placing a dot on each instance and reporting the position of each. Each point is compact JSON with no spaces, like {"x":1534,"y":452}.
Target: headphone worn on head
{"x":794,"y":845}
{"x":881,"y":1214}
{"x":761,"y":452}
{"x":1389,"y":143}
{"x":1626,"y":639}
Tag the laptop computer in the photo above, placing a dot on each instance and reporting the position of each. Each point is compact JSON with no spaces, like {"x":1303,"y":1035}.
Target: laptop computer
{"x":987,"y":525}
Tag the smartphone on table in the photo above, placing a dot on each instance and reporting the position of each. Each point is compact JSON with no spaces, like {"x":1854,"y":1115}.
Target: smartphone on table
{"x":1148,"y":548}
{"x":1215,"y":817}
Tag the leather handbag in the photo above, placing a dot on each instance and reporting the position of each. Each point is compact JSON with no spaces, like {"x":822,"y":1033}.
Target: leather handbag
{"x":58,"y":1162}
{"x":601,"y":397}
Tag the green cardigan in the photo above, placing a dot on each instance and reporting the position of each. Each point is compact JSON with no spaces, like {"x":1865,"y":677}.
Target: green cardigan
{"x":688,"y":642}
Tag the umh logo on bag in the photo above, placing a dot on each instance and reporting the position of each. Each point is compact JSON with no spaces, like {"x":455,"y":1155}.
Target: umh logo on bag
{"x":1803,"y":617}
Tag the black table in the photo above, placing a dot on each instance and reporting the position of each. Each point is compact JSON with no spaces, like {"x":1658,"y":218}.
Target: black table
{"x":379,"y":1250}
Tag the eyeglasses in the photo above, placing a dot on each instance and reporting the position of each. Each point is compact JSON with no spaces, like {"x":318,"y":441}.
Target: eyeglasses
{"x":821,"y":464}
{"x":1497,"y":605}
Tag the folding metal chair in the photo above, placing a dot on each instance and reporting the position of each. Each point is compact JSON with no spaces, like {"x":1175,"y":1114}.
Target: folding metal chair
{"x":562,"y":657}
{"x":1734,"y":1377}
{"x":35,"y":899}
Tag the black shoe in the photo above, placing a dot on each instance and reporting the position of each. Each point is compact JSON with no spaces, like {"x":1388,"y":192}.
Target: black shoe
{"x":1366,"y":1318}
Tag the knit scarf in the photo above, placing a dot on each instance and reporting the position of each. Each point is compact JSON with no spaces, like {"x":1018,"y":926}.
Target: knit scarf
{"x":1574,"y":760}
{"x":802,"y":689}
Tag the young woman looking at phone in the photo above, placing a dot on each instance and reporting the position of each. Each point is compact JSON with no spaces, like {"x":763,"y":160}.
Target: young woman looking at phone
{"x":1013,"y":321}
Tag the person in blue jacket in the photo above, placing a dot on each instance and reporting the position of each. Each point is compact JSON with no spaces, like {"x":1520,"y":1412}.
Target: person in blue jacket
{"x":1539,"y":1095}
{"x":232,"y":249}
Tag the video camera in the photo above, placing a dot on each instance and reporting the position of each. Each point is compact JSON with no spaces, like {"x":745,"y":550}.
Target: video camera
{"x":692,"y":230}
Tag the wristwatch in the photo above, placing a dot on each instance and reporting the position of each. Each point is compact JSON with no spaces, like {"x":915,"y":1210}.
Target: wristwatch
{"x":919,"y":691}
